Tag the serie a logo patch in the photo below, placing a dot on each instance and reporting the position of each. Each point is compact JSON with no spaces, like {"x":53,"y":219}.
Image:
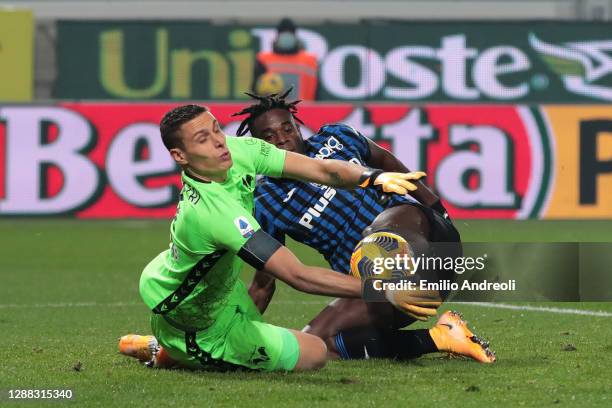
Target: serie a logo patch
{"x":244,"y":227}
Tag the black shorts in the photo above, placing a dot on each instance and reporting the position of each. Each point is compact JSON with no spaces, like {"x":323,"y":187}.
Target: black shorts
{"x":440,"y":229}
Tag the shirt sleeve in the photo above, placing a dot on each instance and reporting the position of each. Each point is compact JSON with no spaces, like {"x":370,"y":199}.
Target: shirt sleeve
{"x":240,"y":233}
{"x":268,"y":159}
{"x":233,"y":226}
{"x":355,"y":139}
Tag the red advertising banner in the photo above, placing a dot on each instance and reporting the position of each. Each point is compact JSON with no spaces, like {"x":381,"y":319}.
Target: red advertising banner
{"x":106,"y":160}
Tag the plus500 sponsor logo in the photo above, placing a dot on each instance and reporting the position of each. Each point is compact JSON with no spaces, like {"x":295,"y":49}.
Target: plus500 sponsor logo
{"x":460,"y":66}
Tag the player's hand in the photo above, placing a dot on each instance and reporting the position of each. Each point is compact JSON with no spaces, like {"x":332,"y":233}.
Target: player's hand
{"x":399,"y":183}
{"x":419,"y":304}
{"x":389,"y":182}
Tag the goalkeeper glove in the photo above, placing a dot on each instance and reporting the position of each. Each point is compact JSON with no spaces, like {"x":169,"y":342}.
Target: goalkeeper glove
{"x":419,"y":304}
{"x":389,"y":182}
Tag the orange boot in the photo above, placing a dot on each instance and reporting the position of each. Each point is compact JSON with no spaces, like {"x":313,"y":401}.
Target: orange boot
{"x":452,"y":335}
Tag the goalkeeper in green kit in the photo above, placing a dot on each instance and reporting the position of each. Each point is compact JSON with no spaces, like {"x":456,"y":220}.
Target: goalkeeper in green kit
{"x":202,"y":314}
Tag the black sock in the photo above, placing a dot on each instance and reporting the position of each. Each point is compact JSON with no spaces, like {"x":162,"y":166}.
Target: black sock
{"x":371,"y":342}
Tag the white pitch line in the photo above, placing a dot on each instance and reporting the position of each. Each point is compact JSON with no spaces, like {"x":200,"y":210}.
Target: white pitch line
{"x":548,"y":309}
{"x":67,"y":304}
{"x":125,"y":304}
{"x":528,"y":308}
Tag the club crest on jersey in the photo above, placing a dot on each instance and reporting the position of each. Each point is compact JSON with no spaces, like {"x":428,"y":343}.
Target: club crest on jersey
{"x":331,"y":146}
{"x":244,"y":227}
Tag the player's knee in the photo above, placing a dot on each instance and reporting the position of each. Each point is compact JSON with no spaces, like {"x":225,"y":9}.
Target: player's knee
{"x":313,"y":352}
{"x":320,"y":354}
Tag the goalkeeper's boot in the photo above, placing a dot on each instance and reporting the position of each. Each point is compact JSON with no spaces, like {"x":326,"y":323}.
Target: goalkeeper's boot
{"x":141,"y":347}
{"x":161,"y":359}
{"x":146,"y":349}
{"x":451,"y":335}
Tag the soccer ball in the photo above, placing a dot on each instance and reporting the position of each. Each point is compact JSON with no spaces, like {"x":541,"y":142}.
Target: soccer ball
{"x":269,"y":83}
{"x":368,"y":256}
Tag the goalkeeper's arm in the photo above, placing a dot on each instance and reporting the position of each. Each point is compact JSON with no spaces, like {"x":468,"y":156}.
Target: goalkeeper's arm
{"x":337,"y":173}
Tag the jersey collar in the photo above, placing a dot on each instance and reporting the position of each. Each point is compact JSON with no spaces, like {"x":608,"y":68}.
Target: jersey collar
{"x":186,"y":173}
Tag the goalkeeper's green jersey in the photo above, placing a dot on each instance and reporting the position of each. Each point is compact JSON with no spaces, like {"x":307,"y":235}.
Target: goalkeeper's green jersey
{"x":193,"y":282}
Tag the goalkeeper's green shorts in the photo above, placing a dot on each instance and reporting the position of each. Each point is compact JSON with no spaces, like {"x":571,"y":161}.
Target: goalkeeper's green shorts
{"x":247,"y":342}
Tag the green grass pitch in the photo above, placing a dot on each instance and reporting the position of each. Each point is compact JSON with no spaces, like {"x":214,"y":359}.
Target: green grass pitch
{"x":68,"y":290}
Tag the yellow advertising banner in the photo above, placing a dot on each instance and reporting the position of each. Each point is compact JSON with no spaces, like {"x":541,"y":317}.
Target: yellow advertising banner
{"x":16,"y":49}
{"x":582,"y":161}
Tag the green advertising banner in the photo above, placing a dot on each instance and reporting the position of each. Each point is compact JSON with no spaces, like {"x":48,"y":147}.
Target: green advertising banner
{"x":535,"y":62}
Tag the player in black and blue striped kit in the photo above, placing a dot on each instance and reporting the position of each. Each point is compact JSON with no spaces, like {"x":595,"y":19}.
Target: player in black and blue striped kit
{"x":333,"y":221}
{"x":330,"y":220}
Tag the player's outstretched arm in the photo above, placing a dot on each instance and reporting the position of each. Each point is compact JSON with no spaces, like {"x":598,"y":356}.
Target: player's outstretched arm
{"x":320,"y":281}
{"x":338,"y":173}
{"x":262,"y":289}
{"x":284,"y":265}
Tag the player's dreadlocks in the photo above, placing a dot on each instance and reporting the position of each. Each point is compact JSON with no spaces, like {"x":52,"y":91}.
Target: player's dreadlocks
{"x":265,"y":104}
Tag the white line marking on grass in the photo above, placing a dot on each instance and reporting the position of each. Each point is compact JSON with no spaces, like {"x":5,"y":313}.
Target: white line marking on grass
{"x":67,"y":304}
{"x":597,"y":313}
{"x":548,"y":309}
{"x":126,"y":304}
